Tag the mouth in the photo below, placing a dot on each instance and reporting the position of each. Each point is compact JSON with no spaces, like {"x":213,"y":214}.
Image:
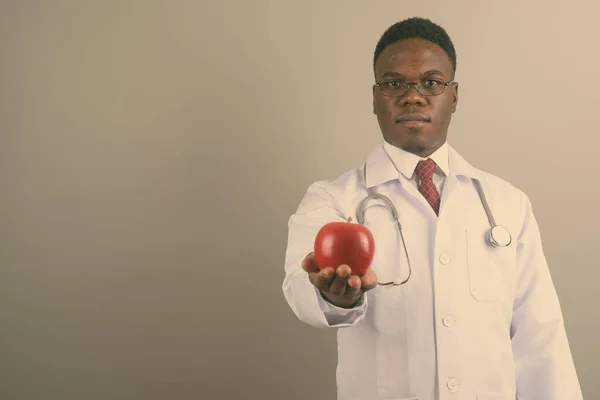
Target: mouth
{"x":412,"y":118}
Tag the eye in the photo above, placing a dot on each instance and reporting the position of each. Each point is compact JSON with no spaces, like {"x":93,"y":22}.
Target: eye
{"x":431,"y":83}
{"x":394,"y":84}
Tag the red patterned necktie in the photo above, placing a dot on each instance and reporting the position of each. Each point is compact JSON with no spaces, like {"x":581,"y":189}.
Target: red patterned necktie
{"x":427,"y":188}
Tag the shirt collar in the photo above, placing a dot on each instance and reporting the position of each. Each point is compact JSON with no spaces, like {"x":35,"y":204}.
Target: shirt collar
{"x":385,"y":161}
{"x":406,"y":162}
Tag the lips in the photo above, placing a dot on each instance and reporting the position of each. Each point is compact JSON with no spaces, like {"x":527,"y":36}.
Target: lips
{"x":412,"y":117}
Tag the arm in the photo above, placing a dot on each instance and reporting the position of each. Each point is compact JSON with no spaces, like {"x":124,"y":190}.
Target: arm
{"x":316,"y":209}
{"x":543,"y":360}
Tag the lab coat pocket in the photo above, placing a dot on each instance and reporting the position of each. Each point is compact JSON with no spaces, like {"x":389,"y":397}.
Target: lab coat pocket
{"x":488,"y":267}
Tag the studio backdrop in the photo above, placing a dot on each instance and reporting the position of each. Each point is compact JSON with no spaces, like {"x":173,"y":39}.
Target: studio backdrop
{"x":152,"y":152}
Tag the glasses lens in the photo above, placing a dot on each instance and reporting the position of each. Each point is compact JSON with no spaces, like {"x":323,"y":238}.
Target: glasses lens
{"x":396,"y":88}
{"x":393,"y":88}
{"x":429,"y":87}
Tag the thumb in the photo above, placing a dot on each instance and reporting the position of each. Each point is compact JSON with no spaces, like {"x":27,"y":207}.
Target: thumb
{"x":309,"y":264}
{"x":368,"y":280}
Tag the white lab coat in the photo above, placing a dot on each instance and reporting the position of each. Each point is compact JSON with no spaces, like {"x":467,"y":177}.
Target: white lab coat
{"x":474,"y":322}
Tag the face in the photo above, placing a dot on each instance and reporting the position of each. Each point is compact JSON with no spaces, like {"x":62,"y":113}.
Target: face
{"x":413,"y":122}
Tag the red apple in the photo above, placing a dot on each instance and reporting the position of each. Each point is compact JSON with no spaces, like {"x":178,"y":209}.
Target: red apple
{"x":346,"y":243}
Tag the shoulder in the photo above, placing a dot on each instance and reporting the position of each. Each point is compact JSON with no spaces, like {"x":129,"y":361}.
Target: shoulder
{"x":339,"y":186}
{"x":509,"y":201}
{"x":337,"y":191}
{"x":493,"y":184}
{"x":500,"y":186}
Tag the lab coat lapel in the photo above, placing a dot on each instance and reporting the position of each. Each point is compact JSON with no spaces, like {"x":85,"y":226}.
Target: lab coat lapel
{"x":380,"y":169}
{"x":416,"y":197}
{"x":460,"y":169}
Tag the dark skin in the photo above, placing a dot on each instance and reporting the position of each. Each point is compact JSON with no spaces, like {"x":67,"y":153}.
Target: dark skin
{"x":415,"y":123}
{"x":339,"y":286}
{"x":411,"y":60}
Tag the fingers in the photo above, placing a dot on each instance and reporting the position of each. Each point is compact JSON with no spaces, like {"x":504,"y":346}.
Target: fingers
{"x":309,"y":264}
{"x":323,"y":279}
{"x":331,"y":281}
{"x":339,"y":283}
{"x":353,"y":286}
{"x":368,"y":280}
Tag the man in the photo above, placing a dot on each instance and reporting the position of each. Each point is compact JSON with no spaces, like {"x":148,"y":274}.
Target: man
{"x":473,"y":320}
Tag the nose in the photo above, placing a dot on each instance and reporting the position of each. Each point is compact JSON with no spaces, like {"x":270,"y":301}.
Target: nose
{"x":412,"y":97}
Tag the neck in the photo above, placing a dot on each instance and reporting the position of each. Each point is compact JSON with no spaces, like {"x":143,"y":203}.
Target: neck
{"x":420,"y":151}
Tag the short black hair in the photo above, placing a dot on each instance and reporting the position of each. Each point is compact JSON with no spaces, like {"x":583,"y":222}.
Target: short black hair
{"x":416,"y":27}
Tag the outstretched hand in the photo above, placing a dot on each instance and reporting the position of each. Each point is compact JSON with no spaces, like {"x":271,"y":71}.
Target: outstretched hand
{"x":339,"y":286}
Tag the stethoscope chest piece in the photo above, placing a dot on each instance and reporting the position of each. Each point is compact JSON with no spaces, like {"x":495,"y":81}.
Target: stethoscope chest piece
{"x":499,"y":236}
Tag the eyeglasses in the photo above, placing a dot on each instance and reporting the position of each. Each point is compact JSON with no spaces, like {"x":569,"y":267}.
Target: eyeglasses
{"x":426,"y":87}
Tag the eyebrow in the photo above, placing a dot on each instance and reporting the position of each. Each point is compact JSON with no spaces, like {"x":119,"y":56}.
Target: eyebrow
{"x":426,"y":73}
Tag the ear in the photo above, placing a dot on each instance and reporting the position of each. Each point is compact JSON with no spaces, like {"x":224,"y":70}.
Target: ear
{"x":374,"y":106}
{"x":455,"y":97}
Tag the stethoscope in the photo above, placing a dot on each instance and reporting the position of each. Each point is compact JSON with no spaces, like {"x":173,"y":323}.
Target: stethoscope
{"x":497,"y":235}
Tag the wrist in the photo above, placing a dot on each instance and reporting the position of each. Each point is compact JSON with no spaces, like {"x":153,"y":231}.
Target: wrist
{"x":343,"y":302}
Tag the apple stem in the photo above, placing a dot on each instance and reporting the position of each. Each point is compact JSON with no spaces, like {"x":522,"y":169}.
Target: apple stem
{"x":349,"y":219}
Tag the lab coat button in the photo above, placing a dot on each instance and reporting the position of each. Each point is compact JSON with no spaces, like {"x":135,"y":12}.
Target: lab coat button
{"x":453,"y":384}
{"x":448,"y":321}
{"x":445,"y":258}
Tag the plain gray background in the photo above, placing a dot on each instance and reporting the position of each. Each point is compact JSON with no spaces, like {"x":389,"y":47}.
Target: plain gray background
{"x":152,"y":151}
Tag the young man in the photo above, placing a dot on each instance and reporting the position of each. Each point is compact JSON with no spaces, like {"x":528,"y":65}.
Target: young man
{"x":478,"y":317}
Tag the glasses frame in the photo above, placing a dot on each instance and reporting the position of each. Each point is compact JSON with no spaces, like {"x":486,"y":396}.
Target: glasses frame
{"x":416,"y":84}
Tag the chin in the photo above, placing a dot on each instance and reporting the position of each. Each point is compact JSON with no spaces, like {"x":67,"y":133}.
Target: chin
{"x":414,"y":148}
{"x":414,"y":140}
{"x":412,"y":145}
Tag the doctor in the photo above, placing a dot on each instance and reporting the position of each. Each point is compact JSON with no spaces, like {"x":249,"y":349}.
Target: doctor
{"x":468,"y":315}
